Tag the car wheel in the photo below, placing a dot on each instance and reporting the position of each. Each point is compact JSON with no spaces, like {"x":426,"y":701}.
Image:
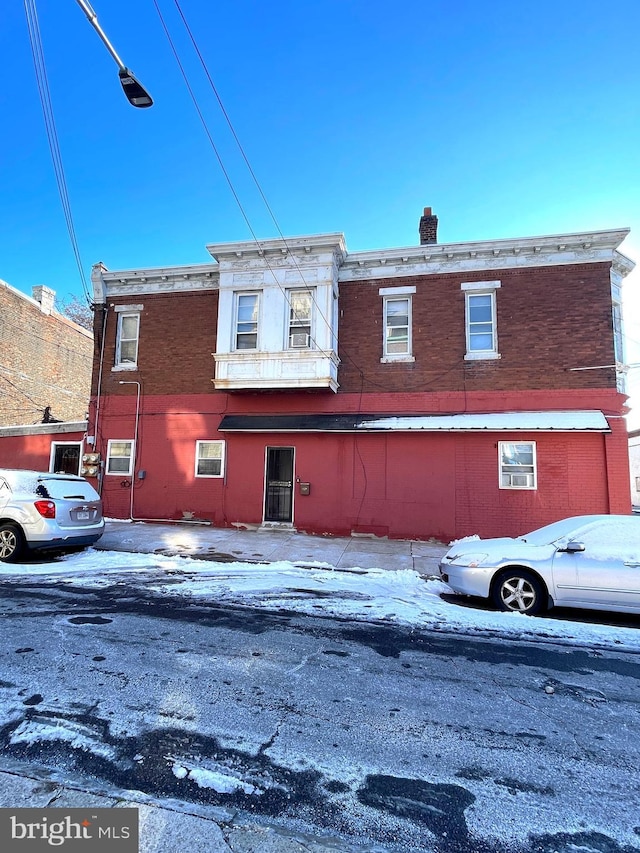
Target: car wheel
{"x":519,"y":591}
{"x":11,"y":542}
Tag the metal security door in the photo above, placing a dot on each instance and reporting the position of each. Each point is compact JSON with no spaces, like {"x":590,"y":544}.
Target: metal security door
{"x":278,"y":501}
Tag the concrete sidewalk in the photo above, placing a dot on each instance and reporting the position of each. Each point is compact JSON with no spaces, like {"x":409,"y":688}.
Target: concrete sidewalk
{"x":271,"y":545}
{"x":170,"y":827}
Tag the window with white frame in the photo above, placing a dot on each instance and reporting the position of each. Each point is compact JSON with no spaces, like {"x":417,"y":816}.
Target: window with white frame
{"x":246,"y":336}
{"x":618,"y":332}
{"x":127,"y":340}
{"x":209,"y":458}
{"x":517,"y":461}
{"x":397,"y":306}
{"x":120,"y":457}
{"x":300,"y":314}
{"x":480,"y":319}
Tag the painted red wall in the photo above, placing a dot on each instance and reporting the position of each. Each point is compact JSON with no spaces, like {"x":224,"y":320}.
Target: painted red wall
{"x":31,"y":451}
{"x":402,"y":485}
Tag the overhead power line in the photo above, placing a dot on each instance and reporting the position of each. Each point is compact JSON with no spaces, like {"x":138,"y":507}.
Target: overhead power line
{"x":37,"y":52}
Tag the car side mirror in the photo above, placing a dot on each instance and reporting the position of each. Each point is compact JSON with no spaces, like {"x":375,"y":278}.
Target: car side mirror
{"x":574,"y":547}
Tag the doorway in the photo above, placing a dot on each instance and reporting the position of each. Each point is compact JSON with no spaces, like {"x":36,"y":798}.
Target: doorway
{"x":278,"y":493}
{"x":65,"y":457}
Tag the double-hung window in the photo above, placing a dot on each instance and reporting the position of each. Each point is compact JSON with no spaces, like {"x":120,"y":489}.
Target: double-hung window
{"x":397,"y":339}
{"x":517,"y":461}
{"x":246,"y":333}
{"x":127,"y":339}
{"x":300,"y":311}
{"x":209,"y":458}
{"x":120,"y":456}
{"x":480,"y":319}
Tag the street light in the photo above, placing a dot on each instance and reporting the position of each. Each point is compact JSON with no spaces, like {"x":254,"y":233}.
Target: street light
{"x":135,"y":92}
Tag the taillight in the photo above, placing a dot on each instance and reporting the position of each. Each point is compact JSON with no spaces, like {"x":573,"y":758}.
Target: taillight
{"x":47,"y":509}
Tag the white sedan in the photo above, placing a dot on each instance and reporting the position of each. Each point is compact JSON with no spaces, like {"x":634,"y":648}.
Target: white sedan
{"x":589,"y":561}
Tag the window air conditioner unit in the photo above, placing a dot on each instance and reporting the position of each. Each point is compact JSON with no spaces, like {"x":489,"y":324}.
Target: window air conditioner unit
{"x":520,"y":479}
{"x":299,"y":340}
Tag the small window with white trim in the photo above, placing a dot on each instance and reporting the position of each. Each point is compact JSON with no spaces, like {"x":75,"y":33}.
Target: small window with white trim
{"x":120,"y":457}
{"x":209,"y":458}
{"x":517,"y":464}
{"x":480,"y":319}
{"x":397,"y":321}
{"x":127,"y":340}
{"x":247,"y":305}
{"x":300,"y":315}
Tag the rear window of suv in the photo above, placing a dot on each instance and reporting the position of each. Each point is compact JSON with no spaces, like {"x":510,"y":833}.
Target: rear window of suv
{"x":62,"y":489}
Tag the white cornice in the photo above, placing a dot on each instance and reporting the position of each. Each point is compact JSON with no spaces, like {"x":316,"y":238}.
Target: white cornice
{"x":186,"y":278}
{"x":555,"y":249}
{"x":250,"y":249}
{"x":431,"y":258}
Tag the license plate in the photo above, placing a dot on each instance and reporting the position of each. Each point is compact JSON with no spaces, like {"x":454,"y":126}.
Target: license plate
{"x":83,"y":516}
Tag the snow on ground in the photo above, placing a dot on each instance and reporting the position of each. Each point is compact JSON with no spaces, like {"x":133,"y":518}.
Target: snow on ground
{"x":380,"y":595}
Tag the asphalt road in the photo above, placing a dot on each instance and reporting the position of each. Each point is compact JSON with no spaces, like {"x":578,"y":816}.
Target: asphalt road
{"x":404,"y":740}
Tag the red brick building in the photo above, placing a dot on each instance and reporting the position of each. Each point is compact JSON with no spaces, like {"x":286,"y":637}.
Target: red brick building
{"x":435,"y":390}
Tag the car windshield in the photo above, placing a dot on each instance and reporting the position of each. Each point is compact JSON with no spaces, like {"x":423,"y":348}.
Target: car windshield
{"x":552,"y":532}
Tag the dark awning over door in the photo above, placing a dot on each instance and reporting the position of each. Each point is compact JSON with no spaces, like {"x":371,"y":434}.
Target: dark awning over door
{"x":564,"y":421}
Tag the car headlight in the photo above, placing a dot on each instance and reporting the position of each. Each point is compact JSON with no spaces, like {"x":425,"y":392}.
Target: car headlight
{"x":469,"y":560}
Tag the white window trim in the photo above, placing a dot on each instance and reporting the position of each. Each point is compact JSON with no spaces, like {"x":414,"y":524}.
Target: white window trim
{"x":56,"y":444}
{"x":532,"y":487}
{"x":131,"y":458}
{"x":126,"y":365}
{"x":390,"y":294}
{"x":222,"y":458}
{"x":481,"y":288}
{"x":236,"y":307}
{"x":311,"y":324}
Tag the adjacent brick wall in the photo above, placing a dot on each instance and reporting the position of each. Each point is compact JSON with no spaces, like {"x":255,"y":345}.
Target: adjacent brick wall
{"x":45,"y":360}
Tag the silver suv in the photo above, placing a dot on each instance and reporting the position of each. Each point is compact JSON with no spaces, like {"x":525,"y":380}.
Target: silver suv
{"x":46,"y":511}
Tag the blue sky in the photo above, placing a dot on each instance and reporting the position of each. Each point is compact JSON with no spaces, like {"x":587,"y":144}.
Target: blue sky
{"x":509,"y":119}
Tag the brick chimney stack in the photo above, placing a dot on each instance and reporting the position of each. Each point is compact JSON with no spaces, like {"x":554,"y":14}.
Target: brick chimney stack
{"x":428,"y":227}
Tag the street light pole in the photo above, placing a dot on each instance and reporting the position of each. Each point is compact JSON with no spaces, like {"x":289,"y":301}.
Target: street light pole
{"x":135,"y":92}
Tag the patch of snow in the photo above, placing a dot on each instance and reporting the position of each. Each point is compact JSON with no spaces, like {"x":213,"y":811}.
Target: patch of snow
{"x":75,"y":734}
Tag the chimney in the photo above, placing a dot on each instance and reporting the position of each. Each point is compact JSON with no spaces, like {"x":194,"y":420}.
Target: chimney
{"x":45,"y":296}
{"x":428,"y":227}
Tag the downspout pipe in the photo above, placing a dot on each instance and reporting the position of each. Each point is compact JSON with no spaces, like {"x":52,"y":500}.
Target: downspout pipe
{"x":132,"y":517}
{"x":135,"y":441}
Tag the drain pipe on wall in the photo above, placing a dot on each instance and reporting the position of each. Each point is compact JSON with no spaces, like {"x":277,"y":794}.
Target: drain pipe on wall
{"x":132,"y":517}
{"x":135,"y":443}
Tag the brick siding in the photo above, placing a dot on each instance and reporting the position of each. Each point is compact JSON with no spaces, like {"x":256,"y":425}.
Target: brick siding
{"x":45,"y":360}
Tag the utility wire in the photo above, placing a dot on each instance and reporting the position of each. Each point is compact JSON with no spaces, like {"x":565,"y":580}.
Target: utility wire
{"x":294,"y":314}
{"x":37,"y":52}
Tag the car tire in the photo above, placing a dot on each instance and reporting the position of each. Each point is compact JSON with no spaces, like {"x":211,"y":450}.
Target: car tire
{"x":12,"y":543}
{"x":519,"y":591}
